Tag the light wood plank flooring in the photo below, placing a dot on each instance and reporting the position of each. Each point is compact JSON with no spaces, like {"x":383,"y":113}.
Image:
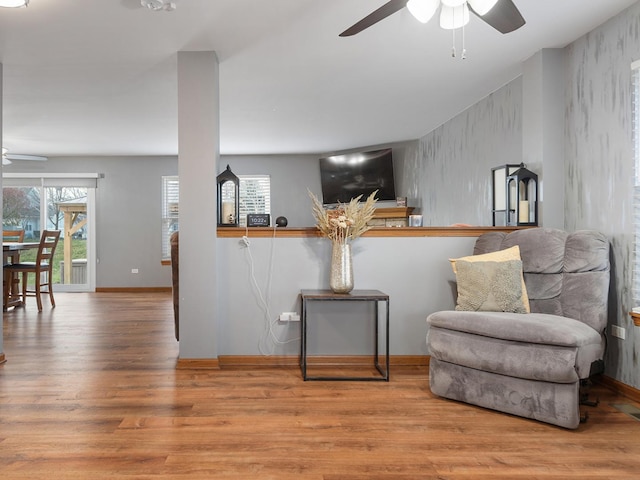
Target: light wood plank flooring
{"x":90,"y":391}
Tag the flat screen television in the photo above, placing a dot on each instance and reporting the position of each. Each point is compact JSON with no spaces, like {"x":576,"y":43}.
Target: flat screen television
{"x":344,"y":177}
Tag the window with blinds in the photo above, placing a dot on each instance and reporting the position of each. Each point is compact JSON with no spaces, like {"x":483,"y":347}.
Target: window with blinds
{"x":635,"y":72}
{"x":170,"y":211}
{"x":255,"y":197}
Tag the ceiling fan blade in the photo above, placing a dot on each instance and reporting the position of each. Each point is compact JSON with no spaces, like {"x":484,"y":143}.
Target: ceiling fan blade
{"x":16,"y":156}
{"x":383,"y":12}
{"x":504,"y":17}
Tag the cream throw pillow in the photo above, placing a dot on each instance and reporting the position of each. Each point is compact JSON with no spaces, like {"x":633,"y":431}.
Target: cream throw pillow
{"x":490,"y":286}
{"x":508,"y":254}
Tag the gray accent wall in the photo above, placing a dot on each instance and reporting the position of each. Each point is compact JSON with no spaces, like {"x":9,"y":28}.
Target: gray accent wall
{"x":451,"y":166}
{"x":599,"y":164}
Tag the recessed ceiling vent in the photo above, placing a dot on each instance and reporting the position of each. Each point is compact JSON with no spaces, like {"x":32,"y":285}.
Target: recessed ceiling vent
{"x":158,"y":5}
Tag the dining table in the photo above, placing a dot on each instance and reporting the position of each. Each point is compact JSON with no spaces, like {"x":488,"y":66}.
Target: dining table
{"x":11,"y":254}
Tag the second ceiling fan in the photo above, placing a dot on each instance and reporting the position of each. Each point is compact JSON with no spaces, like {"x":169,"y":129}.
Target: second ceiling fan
{"x":502,"y":15}
{"x":8,"y":157}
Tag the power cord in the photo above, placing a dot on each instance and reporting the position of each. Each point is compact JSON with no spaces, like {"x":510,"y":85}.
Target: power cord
{"x":270,"y":321}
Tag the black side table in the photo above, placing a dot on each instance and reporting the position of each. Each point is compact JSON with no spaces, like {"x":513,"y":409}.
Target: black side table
{"x":375,"y":296}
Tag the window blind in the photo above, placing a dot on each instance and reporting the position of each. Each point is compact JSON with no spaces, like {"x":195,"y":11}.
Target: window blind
{"x":255,"y":196}
{"x":170,"y":211}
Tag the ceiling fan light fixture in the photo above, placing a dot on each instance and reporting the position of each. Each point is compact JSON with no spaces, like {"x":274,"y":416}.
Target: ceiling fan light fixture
{"x":482,"y":7}
{"x":423,"y":10}
{"x":452,"y":18}
{"x":502,"y":15}
{"x":14,"y":3}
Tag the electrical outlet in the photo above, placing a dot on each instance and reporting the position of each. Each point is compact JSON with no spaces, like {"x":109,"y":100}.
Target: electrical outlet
{"x":134,"y":270}
{"x":618,"y":332}
{"x":289,"y":317}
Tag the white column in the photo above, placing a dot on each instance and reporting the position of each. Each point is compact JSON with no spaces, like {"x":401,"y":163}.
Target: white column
{"x":543,"y":131}
{"x":198,"y":155}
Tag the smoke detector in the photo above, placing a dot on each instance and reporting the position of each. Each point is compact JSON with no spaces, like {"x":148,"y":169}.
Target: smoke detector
{"x":157,"y":5}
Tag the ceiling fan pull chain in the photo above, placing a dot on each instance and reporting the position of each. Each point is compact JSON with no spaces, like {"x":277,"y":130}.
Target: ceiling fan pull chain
{"x":453,"y":43}
{"x":464,"y":49}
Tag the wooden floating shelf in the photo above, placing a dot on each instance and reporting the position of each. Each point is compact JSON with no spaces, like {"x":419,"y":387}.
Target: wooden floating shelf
{"x":393,"y":212}
{"x":301,"y":232}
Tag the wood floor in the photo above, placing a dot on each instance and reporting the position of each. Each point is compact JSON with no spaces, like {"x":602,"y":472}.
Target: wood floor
{"x":90,"y":391}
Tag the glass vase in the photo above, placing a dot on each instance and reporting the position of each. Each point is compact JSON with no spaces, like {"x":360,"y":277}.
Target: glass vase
{"x":341,"y":275}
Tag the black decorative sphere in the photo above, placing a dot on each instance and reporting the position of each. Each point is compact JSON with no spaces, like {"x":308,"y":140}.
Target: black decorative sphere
{"x":282,"y":221}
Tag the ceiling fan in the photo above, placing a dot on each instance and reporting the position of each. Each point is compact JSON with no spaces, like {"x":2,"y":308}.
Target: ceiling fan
{"x":502,"y":15}
{"x":7,"y":157}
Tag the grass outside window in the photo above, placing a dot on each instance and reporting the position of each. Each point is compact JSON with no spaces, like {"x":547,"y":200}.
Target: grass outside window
{"x":78,"y":250}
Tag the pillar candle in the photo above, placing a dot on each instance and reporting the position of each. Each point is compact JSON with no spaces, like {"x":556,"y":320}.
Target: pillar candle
{"x":523,"y":215}
{"x":228,"y":212}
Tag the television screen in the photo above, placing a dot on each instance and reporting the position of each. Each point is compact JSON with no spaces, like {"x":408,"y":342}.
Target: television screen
{"x":344,"y":177}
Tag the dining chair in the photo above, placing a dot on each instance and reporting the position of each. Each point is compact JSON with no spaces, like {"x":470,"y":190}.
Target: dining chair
{"x":13,"y":236}
{"x":42,"y":266}
{"x":10,"y":280}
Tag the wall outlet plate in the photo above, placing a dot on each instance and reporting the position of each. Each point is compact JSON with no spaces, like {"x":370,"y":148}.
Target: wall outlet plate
{"x":289,"y":317}
{"x":618,"y":332}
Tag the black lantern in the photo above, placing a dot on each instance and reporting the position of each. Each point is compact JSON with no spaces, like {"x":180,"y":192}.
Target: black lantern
{"x":522,"y":197}
{"x":499,"y":188}
{"x":228,"y":199}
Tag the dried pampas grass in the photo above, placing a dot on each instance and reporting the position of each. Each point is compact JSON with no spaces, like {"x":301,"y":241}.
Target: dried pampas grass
{"x":348,"y":221}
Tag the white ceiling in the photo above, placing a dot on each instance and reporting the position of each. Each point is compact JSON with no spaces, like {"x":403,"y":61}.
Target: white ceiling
{"x":98,"y":77}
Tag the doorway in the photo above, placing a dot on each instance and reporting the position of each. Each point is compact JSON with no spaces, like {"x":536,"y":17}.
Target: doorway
{"x":56,"y":203}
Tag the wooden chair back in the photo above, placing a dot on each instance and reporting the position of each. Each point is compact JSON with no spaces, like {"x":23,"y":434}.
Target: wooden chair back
{"x":46,"y":249}
{"x":14,"y":236}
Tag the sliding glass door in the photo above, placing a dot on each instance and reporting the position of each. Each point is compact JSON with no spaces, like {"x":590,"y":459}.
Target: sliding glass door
{"x":57,"y":203}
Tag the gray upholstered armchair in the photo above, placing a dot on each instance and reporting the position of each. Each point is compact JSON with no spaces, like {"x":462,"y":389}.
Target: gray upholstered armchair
{"x":528,"y":364}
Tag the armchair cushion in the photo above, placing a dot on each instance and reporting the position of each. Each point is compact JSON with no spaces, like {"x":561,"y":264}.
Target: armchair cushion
{"x":531,"y":328}
{"x":536,"y":346}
